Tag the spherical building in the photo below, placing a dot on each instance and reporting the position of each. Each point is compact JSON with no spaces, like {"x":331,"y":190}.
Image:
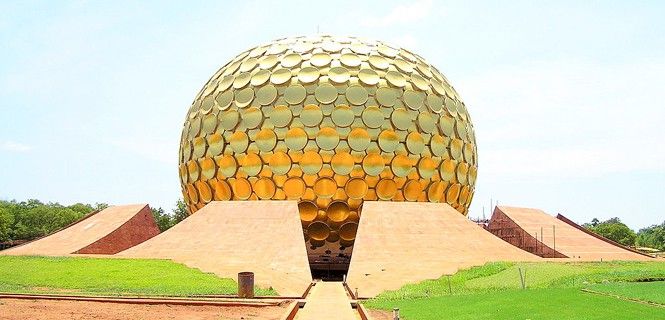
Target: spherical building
{"x":330,"y":122}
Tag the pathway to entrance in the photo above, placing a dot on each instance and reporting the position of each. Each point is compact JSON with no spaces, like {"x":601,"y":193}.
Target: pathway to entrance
{"x":327,"y":300}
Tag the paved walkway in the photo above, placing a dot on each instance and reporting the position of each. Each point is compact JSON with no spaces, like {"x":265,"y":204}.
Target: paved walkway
{"x":327,"y":300}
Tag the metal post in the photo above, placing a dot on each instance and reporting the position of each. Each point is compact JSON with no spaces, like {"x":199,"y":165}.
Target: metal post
{"x":542,"y":244}
{"x":521,"y":278}
{"x":395,"y":313}
{"x":554,"y":236}
{"x":541,"y":235}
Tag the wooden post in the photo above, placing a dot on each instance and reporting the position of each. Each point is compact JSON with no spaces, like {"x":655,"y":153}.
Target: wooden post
{"x":450,"y":288}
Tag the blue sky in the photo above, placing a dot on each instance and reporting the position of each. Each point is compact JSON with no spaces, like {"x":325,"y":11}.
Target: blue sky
{"x":566,"y":96}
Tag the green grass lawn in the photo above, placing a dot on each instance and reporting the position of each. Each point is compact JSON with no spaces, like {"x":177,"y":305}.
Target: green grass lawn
{"x":571,"y":274}
{"x":553,"y":303}
{"x":645,"y":291}
{"x":493,"y":291}
{"x":86,"y":276}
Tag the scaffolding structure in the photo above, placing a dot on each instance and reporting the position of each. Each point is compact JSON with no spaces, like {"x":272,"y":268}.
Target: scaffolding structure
{"x":503,"y":227}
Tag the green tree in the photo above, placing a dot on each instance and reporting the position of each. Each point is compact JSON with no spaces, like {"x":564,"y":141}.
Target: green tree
{"x":180,"y":212}
{"x":100,"y":206}
{"x":594,"y":222}
{"x":31,"y":203}
{"x":652,"y":237}
{"x":614,"y":230}
{"x":32,"y":218}
{"x":81,"y":208}
{"x":40,"y":220}
{"x":163,"y":220}
{"x":6,"y":223}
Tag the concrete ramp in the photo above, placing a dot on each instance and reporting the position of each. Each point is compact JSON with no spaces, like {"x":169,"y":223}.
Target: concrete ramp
{"x":561,"y":235}
{"x":406,"y":242}
{"x":327,"y":301}
{"x":227,"y":237}
{"x":109,"y":231}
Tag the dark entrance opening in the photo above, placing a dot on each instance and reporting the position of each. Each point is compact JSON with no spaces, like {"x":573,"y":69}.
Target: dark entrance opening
{"x":329,"y":262}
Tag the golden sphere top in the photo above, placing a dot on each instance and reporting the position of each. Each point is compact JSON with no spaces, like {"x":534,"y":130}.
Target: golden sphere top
{"x":330,"y":122}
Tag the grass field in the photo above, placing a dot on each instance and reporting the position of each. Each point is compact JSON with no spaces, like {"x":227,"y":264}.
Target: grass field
{"x":493,"y":291}
{"x":86,"y":276}
{"x":645,"y":291}
{"x":556,"y":303}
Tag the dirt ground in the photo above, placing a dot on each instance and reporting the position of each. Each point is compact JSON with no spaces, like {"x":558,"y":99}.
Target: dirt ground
{"x":380,"y":315}
{"x":15,"y":309}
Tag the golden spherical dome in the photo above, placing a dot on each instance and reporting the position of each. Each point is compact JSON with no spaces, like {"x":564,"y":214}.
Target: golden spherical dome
{"x":329,"y":122}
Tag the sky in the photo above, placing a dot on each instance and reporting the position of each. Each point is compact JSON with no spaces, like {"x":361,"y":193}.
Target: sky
{"x":566,"y":97}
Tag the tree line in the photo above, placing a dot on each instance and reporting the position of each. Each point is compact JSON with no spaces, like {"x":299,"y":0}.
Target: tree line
{"x":31,"y":219}
{"x":27,"y":220}
{"x":617,"y":231}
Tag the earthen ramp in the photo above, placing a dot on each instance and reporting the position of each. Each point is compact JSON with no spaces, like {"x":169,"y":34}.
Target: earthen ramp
{"x":407,"y":242}
{"x":561,"y":235}
{"x":109,"y":231}
{"x":227,"y":237}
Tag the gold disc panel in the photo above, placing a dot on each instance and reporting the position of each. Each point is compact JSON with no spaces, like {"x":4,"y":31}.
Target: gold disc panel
{"x":329,"y":122}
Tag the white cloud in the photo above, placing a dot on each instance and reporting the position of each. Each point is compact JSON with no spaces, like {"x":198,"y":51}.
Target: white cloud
{"x":411,"y":12}
{"x":13,"y":146}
